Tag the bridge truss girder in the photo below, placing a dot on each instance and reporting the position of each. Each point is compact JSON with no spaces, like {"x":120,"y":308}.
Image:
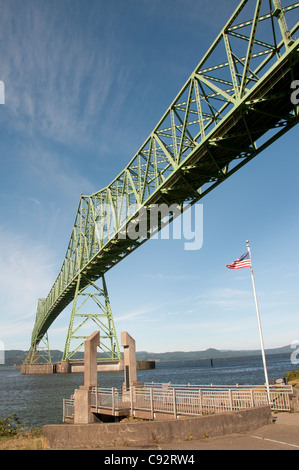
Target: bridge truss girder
{"x":234,"y":105}
{"x":91,"y":308}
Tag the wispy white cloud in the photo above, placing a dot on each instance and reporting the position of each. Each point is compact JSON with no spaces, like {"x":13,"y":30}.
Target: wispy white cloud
{"x":57,"y":173}
{"x":57,"y":82}
{"x":26,"y":273}
{"x":225,"y":299}
{"x":137,"y":313}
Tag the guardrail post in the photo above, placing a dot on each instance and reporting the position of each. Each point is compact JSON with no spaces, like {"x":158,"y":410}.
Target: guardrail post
{"x":131,"y":399}
{"x":174,"y":403}
{"x":252,"y":398}
{"x":113,"y":404}
{"x":63,"y":412}
{"x":230,"y":399}
{"x":152,"y":402}
{"x":200,"y":400}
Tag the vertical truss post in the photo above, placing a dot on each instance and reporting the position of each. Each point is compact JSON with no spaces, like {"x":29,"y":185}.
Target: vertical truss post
{"x":279,"y":13}
{"x":66,"y":353}
{"x":44,"y":350}
{"x":255,"y":23}
{"x":91,"y":306}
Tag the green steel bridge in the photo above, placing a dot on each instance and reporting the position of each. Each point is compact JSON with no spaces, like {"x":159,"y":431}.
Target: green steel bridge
{"x":234,"y":105}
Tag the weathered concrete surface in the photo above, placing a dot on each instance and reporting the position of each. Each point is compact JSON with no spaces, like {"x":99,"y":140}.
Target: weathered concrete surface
{"x":102,"y":366}
{"x":130,"y":364}
{"x":295,"y":400}
{"x":90,"y":360}
{"x":82,"y":397}
{"x":31,"y":369}
{"x":283,"y":434}
{"x":134,"y":434}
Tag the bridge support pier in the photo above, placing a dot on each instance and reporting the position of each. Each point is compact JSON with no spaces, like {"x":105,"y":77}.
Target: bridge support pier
{"x":82,"y":396}
{"x":63,"y":367}
{"x":32,"y":363}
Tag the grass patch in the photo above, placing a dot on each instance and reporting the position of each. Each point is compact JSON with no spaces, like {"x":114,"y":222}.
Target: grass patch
{"x":293,"y":377}
{"x":13,"y":435}
{"x":25,"y":440}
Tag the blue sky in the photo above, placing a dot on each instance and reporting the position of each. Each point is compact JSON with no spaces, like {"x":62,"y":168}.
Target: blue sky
{"x":85,"y":84}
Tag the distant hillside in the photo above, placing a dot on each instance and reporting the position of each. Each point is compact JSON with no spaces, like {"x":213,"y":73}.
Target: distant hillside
{"x":207,"y":354}
{"x":16,"y":357}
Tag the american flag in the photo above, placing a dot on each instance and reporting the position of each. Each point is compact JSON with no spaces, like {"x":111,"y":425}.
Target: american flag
{"x":242,"y":262}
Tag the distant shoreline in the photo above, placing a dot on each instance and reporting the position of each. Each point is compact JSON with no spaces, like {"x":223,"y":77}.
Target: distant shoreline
{"x":16,"y":357}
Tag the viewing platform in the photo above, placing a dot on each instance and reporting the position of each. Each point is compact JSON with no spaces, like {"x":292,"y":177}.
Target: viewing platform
{"x":153,"y":401}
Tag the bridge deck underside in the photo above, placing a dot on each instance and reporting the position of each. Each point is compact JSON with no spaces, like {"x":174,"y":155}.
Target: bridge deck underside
{"x":233,"y":142}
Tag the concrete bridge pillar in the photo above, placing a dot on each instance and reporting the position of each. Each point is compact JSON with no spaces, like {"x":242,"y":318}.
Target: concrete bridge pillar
{"x":83,"y":394}
{"x":130,"y":363}
{"x":63,"y":367}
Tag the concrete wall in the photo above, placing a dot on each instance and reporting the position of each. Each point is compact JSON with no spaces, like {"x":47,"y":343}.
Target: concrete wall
{"x":108,"y":366}
{"x":295,"y":400}
{"x":103,"y":435}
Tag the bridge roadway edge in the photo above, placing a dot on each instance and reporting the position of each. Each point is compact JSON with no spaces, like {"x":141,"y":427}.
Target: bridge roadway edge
{"x":150,"y":433}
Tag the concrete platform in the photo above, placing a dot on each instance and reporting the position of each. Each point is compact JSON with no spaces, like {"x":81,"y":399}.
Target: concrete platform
{"x":78,"y":367}
{"x":102,"y":366}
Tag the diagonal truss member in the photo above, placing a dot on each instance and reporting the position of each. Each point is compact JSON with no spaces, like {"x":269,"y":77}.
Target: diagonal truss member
{"x":91,"y":305}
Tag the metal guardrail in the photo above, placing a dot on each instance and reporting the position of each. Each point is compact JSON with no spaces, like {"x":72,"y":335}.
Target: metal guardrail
{"x":192,"y":400}
{"x":198,"y":400}
{"x":170,"y":385}
{"x":68,"y":409}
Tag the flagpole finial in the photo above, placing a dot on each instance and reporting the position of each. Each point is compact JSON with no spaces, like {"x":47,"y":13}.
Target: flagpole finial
{"x":247,"y":241}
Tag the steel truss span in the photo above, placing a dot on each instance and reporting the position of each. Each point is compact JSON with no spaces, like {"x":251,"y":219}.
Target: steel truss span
{"x":235,"y":104}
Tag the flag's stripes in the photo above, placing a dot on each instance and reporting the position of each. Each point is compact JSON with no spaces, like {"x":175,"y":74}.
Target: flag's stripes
{"x":242,"y":262}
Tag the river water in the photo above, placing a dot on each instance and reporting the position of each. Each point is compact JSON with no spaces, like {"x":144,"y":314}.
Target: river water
{"x":37,"y":399}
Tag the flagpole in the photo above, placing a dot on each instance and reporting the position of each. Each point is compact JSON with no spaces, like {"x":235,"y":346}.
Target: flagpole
{"x":259,"y":325}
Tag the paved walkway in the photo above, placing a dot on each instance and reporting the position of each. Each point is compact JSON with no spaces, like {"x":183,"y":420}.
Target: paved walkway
{"x":283,"y":434}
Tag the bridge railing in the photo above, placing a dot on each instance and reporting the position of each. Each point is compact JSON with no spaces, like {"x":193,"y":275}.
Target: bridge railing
{"x":179,"y":400}
{"x":209,"y":399}
{"x":68,"y":409}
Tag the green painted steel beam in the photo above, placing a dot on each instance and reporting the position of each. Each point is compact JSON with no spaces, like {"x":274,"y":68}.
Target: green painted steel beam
{"x":100,"y":318}
{"x":227,"y":112}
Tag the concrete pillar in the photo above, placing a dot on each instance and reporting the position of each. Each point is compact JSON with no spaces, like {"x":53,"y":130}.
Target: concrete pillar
{"x":90,"y":360}
{"x":64,"y":367}
{"x":82,"y":414}
{"x":83,"y":395}
{"x":130,"y":363}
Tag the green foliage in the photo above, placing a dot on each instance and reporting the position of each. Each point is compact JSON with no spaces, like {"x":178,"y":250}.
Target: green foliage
{"x":292,"y":375}
{"x":10,"y":426}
